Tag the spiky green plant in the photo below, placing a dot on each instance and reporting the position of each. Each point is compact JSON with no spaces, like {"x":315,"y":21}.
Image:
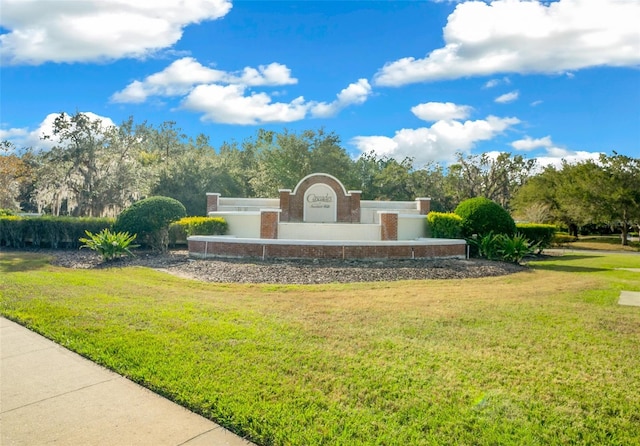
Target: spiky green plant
{"x":514,"y":249}
{"x":110,"y":245}
{"x":488,"y":245}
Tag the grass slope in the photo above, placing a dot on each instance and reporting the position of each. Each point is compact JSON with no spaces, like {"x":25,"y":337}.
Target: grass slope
{"x":540,"y":357}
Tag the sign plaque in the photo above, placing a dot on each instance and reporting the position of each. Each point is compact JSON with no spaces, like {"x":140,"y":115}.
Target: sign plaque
{"x":320,"y":204}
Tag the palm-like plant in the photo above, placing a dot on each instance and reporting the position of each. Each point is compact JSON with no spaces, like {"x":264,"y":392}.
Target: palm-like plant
{"x":110,"y":245}
{"x":514,"y":249}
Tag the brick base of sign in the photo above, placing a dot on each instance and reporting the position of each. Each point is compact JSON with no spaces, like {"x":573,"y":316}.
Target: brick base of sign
{"x":211,"y":246}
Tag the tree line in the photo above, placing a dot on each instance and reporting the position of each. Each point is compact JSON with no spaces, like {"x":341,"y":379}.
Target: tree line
{"x":94,"y":170}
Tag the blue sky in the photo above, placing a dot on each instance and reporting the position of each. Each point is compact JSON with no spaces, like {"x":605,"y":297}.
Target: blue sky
{"x":425,"y":79}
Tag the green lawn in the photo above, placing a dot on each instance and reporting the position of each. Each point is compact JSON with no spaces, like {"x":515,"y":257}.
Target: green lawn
{"x":540,"y":357}
{"x":603,"y":243}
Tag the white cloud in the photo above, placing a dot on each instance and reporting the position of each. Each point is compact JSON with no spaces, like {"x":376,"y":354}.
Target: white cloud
{"x":523,"y":36}
{"x":437,"y":111}
{"x":13,"y":134}
{"x":225,"y":97}
{"x":507,"y":97}
{"x":229,"y":105}
{"x":553,"y":155}
{"x":94,"y":30}
{"x":536,"y":103}
{"x":183,"y":74}
{"x":495,"y":82}
{"x":25,"y":138}
{"x":355,"y":94}
{"x":235,"y":104}
{"x":556,"y":158}
{"x":529,"y":143}
{"x":266,"y":75}
{"x":177,"y":79}
{"x":437,"y":143}
{"x":380,"y":145}
{"x":492,"y":83}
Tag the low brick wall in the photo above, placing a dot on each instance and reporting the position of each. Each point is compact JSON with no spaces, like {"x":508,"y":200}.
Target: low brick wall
{"x":207,"y":247}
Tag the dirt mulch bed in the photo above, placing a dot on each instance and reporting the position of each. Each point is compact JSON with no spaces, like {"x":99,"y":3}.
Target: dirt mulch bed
{"x":287,"y":271}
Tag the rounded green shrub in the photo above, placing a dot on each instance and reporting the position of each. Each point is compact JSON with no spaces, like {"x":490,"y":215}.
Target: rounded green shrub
{"x":150,"y":219}
{"x":481,"y":216}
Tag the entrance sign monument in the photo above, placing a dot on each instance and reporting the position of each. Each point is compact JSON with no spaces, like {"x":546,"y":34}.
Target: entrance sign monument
{"x":321,"y":219}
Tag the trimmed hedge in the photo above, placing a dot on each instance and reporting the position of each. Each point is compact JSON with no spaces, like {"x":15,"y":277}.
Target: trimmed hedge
{"x":181,"y":229}
{"x":481,"y":216}
{"x":562,"y":238}
{"x":206,"y":226}
{"x":539,"y":235}
{"x":48,"y":231}
{"x":444,"y":225}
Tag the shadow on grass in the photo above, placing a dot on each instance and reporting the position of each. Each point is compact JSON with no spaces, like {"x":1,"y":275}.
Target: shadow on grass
{"x":14,"y":262}
{"x":565,"y":257}
{"x":567,"y":268}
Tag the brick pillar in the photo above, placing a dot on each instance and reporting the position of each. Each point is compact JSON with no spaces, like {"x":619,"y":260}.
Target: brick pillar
{"x":212,"y":202}
{"x":355,"y":205}
{"x":269,"y":224}
{"x":388,"y":226}
{"x":424,"y":205}
{"x":285,"y":200}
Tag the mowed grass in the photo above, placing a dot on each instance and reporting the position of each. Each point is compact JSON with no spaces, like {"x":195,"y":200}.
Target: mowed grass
{"x":603,"y":243}
{"x":540,"y":357}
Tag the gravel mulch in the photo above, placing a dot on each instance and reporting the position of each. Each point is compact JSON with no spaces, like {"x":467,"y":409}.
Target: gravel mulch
{"x":287,"y":271}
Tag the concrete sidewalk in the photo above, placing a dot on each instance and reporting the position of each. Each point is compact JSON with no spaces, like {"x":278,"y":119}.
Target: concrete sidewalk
{"x":49,"y":395}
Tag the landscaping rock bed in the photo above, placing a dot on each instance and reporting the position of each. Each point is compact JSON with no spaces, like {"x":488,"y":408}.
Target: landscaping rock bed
{"x":287,"y":271}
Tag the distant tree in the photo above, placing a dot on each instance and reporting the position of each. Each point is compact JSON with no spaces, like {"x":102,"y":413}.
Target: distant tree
{"x":367,"y":167}
{"x":611,"y":187}
{"x":328,"y":156}
{"x":15,"y":176}
{"x":541,"y":190}
{"x":625,"y":190}
{"x":240,"y":164}
{"x":606,"y":191}
{"x":430,"y":181}
{"x":282,"y":159}
{"x":385,"y":178}
{"x":189,"y":176}
{"x":535,"y":213}
{"x":393,"y":181}
{"x":93,"y":171}
{"x":166,"y":142}
{"x":496,"y":178}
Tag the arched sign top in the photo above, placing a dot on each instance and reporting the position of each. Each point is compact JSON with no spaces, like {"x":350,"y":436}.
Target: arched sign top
{"x":320,"y":198}
{"x":317,"y":177}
